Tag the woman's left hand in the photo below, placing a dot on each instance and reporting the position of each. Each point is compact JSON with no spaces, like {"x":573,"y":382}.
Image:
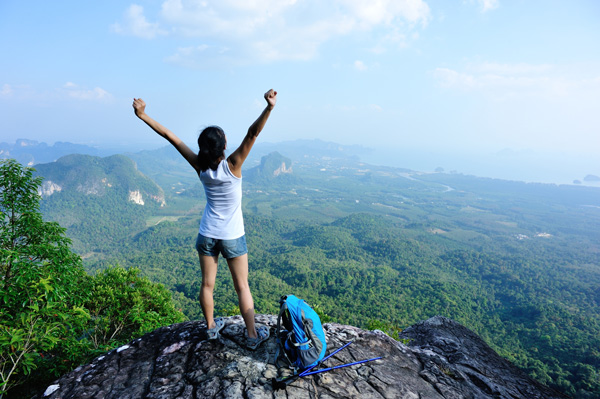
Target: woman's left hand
{"x":271,"y":97}
{"x":139,"y":107}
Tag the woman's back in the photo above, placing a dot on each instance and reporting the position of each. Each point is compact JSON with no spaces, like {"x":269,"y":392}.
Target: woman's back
{"x":222,"y":216}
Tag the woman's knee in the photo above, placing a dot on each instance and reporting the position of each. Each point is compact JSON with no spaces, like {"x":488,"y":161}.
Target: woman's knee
{"x":241,"y":287}
{"x":207,"y":285}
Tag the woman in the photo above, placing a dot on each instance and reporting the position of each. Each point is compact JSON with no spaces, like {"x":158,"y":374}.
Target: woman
{"x":222,"y":227}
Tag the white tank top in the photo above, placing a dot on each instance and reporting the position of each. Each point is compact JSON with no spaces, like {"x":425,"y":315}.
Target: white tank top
{"x":222,"y":218}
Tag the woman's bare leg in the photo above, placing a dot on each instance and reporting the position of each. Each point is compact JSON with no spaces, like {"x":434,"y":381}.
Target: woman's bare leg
{"x":239,"y":271}
{"x":208,"y":264}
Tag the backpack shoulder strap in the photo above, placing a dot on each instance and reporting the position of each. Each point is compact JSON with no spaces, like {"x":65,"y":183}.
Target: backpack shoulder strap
{"x":282,"y":309}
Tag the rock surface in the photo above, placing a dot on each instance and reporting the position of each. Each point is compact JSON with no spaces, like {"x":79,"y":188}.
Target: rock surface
{"x":443,"y":360}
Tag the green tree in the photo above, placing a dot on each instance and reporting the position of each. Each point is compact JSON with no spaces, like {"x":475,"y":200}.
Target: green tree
{"x":53,"y":315}
{"x":126,"y":305}
{"x":40,"y":300}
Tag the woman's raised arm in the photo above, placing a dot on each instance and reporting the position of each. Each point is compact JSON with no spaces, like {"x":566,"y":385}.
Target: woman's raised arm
{"x":237,"y":158}
{"x":139,"y":107}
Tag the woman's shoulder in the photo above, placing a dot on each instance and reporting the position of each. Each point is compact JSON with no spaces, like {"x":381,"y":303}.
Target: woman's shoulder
{"x":229,"y":168}
{"x":222,"y":171}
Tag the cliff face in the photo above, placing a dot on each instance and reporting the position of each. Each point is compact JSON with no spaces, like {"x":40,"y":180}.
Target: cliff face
{"x":272,"y":166}
{"x":115,"y":176}
{"x":443,"y":360}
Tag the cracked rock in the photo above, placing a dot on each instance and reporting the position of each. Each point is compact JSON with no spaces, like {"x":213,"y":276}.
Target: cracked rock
{"x":443,"y":360}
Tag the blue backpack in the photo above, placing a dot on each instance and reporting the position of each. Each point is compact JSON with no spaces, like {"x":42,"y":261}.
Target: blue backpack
{"x":302,"y":339}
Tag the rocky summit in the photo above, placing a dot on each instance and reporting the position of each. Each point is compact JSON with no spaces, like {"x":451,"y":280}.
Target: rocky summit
{"x":441,"y":360}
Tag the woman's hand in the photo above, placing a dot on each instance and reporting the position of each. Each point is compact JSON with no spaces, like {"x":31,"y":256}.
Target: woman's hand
{"x":271,"y":97}
{"x":139,"y":107}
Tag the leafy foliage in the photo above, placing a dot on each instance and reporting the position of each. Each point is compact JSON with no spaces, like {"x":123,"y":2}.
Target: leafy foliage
{"x":54,"y":316}
{"x":127,"y":305}
{"x":40,"y":278}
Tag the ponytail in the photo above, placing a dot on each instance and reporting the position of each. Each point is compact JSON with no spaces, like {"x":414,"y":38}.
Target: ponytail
{"x":212,"y":147}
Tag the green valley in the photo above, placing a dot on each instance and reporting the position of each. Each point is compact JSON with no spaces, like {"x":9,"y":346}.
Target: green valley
{"x":371,"y":246}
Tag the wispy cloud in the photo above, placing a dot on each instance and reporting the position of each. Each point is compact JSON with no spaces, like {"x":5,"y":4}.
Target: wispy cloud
{"x":72,"y":90}
{"x":487,"y":5}
{"x":360,"y":65}
{"x":500,"y":86}
{"x":272,"y":30}
{"x":452,"y":79}
{"x":504,"y":81}
{"x":68,"y":91}
{"x":6,"y":90}
{"x":18,"y":92}
{"x":135,"y":23}
{"x":511,"y":69}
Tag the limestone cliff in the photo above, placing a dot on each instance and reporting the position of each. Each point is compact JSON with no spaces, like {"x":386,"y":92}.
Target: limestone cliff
{"x":273,"y":167}
{"x":115,"y":176}
{"x":443,"y":360}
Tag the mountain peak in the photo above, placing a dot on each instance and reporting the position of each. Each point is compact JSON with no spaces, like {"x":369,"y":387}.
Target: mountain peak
{"x":442,"y":360}
{"x":92,"y":175}
{"x":273,"y":165}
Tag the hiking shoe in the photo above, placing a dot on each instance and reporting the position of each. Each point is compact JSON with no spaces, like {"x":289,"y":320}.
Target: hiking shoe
{"x":262,"y":333}
{"x":213,"y":333}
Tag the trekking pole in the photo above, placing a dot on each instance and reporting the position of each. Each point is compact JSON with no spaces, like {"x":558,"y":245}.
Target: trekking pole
{"x":305,"y":372}
{"x":341,"y":366}
{"x":283,"y":383}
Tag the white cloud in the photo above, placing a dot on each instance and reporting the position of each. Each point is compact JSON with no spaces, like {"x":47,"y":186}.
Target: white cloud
{"x":196,"y":56}
{"x":394,"y":38}
{"x":520,"y":68}
{"x":271,"y":30}
{"x":6,"y":90}
{"x":502,"y":85}
{"x":487,"y":5}
{"x":68,"y":91}
{"x":453,"y":79}
{"x":72,"y":90}
{"x":135,"y":24}
{"x":16,"y":92}
{"x":360,"y":65}
{"x":387,"y":12}
{"x":504,"y":81}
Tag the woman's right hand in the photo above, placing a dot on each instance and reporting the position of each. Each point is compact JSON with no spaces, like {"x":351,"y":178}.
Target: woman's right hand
{"x":271,"y":97}
{"x":139,"y":107}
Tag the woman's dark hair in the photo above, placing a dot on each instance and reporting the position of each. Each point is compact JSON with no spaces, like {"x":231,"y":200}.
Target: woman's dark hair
{"x":212,"y":147}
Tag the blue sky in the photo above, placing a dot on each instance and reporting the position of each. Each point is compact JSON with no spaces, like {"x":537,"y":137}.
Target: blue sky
{"x":457,"y":84}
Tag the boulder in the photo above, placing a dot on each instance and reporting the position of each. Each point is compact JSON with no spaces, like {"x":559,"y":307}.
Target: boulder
{"x":442,"y":360}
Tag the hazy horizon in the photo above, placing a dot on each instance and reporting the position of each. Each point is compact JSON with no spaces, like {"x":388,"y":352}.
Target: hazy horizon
{"x":525,"y":165}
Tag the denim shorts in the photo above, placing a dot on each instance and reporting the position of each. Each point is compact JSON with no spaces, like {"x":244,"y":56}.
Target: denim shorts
{"x":228,"y":248}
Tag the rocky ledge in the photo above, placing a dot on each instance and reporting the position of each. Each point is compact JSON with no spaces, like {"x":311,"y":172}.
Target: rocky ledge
{"x":442,"y":360}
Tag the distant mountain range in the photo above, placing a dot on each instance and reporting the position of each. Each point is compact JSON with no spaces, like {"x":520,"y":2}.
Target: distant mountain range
{"x":301,"y":149}
{"x":165,"y":165}
{"x":31,"y":152}
{"x":591,"y":178}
